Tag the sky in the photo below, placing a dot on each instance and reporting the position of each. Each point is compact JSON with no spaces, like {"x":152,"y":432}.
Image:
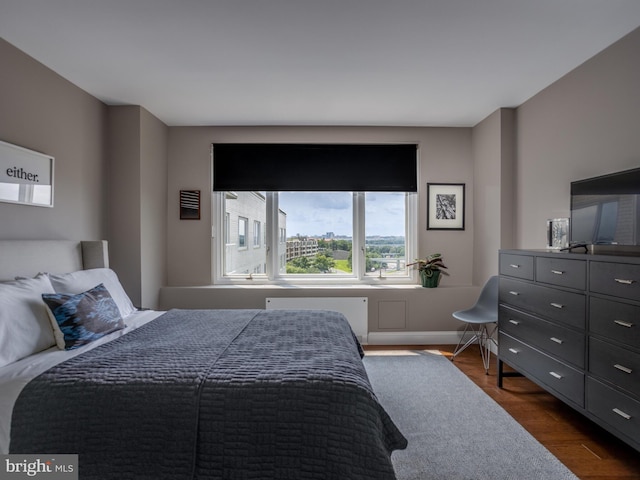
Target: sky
{"x":316,"y":213}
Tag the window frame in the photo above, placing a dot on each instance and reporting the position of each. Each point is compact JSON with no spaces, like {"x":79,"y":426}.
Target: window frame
{"x":273,"y":243}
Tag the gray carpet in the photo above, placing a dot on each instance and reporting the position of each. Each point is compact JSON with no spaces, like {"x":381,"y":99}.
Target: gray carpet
{"x":455,"y":431}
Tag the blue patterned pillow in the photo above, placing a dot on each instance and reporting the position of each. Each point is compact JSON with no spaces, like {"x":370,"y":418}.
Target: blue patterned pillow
{"x":84,"y":317}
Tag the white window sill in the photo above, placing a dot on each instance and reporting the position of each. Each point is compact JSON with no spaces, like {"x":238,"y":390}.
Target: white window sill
{"x":316,"y":286}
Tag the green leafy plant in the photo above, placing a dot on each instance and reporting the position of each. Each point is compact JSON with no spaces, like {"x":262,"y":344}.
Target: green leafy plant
{"x":427,"y":266}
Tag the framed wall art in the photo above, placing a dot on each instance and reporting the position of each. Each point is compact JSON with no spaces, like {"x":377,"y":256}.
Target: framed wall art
{"x":189,"y":204}
{"x":26,"y":176}
{"x":445,"y":206}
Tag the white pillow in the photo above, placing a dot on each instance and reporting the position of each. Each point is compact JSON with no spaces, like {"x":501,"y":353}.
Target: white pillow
{"x":83,"y":280}
{"x":24,"y":321}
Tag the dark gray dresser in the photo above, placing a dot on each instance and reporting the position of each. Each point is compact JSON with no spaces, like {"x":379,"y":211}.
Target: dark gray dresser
{"x":571,"y":323}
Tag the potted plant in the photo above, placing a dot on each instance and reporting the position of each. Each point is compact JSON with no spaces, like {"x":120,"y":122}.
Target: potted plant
{"x":430,"y":269}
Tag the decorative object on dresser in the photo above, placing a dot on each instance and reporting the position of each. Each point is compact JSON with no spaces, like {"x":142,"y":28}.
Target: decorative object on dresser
{"x":557,"y":233}
{"x":571,"y":323}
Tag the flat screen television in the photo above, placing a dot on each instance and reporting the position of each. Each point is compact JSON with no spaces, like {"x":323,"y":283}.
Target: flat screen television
{"x":605,"y":212}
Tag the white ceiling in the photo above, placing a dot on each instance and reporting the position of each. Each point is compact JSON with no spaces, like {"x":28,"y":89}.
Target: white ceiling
{"x":315,"y":62}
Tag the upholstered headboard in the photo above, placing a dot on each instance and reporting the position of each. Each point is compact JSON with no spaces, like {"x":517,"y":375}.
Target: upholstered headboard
{"x":29,"y":257}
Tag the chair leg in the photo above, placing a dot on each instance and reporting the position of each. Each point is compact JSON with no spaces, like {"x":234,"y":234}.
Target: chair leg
{"x":483,"y":343}
{"x":474,"y":338}
{"x":484,"y":337}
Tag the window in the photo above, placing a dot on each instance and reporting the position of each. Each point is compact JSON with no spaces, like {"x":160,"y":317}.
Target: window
{"x":242,"y":232}
{"x":318,"y":236}
{"x":385,"y":234}
{"x":337,"y":213}
{"x":257,"y":237}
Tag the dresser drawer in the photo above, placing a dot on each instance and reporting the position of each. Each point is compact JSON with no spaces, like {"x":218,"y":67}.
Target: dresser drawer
{"x":617,"y":365}
{"x":615,"y":320}
{"x":618,"y":279}
{"x":554,"y":375}
{"x":519,"y":266}
{"x":566,"y":307}
{"x":614,"y":408}
{"x":562,"y":272}
{"x":568,"y":345}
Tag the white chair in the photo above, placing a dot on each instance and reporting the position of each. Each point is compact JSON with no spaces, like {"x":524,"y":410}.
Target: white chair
{"x":482,"y":320}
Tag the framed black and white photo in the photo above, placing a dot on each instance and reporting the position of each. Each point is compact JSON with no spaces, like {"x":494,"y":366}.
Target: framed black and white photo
{"x":189,"y":204}
{"x":445,"y":206}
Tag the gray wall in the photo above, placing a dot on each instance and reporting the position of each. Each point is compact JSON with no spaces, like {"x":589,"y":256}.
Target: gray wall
{"x":42,"y":111}
{"x":153,"y":206}
{"x":585,"y":124}
{"x":493,"y":144}
{"x":124,"y":214}
{"x":137,"y":199}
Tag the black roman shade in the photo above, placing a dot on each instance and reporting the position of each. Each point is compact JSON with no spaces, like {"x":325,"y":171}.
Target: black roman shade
{"x":315,"y":167}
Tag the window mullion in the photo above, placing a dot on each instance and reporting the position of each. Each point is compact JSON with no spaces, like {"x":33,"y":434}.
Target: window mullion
{"x":218,"y":235}
{"x":411,"y":246}
{"x":358,"y":246}
{"x":272,"y":235}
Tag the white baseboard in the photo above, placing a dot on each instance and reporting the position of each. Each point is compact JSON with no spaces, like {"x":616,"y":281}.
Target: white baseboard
{"x":414,"y":338}
{"x":419,"y":338}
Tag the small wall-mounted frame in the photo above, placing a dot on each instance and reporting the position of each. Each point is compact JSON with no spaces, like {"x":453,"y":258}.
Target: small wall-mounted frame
{"x":557,"y":233}
{"x":26,"y":176}
{"x":445,"y":206}
{"x":189,"y":204}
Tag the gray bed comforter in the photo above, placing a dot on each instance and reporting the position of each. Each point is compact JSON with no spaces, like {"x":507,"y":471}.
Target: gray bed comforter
{"x":216,"y":394}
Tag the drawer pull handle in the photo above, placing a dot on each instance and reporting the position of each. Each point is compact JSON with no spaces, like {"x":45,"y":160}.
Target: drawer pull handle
{"x":556,"y":305}
{"x":513,"y":265}
{"x":626,"y":416}
{"x":623,"y":324}
{"x":515,"y":322}
{"x":514,"y":351}
{"x":556,"y":375}
{"x":557,"y":272}
{"x":624,"y":282}
{"x":622,"y":368}
{"x":513,"y":293}
{"x":557,"y":340}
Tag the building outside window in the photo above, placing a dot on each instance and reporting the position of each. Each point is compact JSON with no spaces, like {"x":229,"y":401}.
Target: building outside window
{"x":227,"y":226}
{"x":240,"y":210}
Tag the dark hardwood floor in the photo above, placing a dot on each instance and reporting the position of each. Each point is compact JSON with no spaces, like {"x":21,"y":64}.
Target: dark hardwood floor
{"x":586,"y":449}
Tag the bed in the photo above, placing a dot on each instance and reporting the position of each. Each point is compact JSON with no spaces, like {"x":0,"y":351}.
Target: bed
{"x":237,"y":394}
